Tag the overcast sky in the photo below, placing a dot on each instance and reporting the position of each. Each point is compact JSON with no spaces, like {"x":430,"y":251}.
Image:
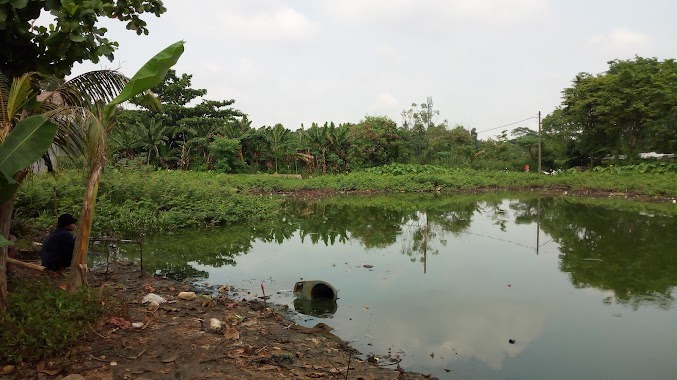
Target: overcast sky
{"x":485,"y":63}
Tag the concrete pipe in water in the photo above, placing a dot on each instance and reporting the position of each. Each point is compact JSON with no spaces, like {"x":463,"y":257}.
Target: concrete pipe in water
{"x":315,"y":298}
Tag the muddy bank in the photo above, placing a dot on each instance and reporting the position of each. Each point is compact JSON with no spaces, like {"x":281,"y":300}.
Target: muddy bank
{"x":220,"y":337}
{"x":552,"y":191}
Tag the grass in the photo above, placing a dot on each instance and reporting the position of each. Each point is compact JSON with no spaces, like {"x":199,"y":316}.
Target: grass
{"x":43,"y":321}
{"x":136,"y":202}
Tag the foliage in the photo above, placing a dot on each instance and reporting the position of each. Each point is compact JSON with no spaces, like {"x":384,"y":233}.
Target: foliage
{"x":644,"y":167}
{"x":44,"y":321}
{"x":162,"y":200}
{"x":407,"y":169}
{"x":167,"y":200}
{"x":178,"y":136}
{"x":72,"y":36}
{"x":626,"y":110}
{"x":375,"y":141}
{"x":24,"y":145}
{"x":594,"y":243}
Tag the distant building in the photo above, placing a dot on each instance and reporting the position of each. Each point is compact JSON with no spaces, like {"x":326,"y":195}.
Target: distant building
{"x":644,"y":156}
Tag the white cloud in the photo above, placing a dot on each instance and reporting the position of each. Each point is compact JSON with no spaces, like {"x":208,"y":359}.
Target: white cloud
{"x":619,"y":43}
{"x":284,"y":23}
{"x":387,"y":100}
{"x":620,"y":38}
{"x":429,"y":14}
{"x":243,"y":21}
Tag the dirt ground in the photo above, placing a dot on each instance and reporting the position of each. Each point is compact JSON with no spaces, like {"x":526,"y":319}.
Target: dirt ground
{"x":553,"y":191}
{"x":177,"y":340}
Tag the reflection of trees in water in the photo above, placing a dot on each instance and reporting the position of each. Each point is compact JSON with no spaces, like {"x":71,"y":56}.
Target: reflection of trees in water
{"x":418,"y":239}
{"x":427,"y":230}
{"x":375,"y":222}
{"x":372,"y":226}
{"x":628,"y":253}
{"x":494,"y":209}
{"x":610,"y":249}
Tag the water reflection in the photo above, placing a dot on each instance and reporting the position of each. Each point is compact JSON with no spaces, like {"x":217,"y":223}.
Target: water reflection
{"x":607,"y":248}
{"x":451,"y":279}
{"x":629,"y":254}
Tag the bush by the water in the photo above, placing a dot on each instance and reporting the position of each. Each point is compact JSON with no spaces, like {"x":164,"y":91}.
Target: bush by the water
{"x":132,"y":202}
{"x":142,"y":201}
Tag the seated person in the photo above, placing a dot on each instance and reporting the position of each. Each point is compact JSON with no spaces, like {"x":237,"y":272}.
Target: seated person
{"x":57,"y":249}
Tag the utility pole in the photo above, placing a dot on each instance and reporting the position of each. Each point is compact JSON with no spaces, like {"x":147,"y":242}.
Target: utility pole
{"x":539,"y":143}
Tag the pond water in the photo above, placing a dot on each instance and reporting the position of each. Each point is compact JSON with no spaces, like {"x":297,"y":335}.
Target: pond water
{"x":585,"y":288}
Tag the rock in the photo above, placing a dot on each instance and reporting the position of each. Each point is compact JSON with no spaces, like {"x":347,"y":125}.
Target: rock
{"x":137,"y":325}
{"x":6,"y":369}
{"x":74,"y":376}
{"x":152,"y":306}
{"x":215,"y":325}
{"x":153,"y":298}
{"x":187,"y":296}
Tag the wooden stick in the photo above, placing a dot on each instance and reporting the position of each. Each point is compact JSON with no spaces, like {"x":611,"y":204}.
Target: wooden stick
{"x":25,"y":264}
{"x":264,"y":296}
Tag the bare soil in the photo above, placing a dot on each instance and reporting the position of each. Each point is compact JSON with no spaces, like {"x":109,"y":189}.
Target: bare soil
{"x":175,"y":341}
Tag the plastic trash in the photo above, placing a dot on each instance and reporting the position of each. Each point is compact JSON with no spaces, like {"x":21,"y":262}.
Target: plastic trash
{"x":153,"y":298}
{"x":187,"y":295}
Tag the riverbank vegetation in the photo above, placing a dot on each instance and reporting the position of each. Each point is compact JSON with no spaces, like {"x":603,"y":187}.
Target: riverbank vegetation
{"x":139,"y":201}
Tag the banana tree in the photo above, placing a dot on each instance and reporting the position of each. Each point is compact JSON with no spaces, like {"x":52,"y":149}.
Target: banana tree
{"x":57,"y":121}
{"x":19,"y":149}
{"x":150,"y":75}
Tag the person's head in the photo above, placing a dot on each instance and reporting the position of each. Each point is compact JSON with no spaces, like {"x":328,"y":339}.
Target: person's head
{"x":67,"y":221}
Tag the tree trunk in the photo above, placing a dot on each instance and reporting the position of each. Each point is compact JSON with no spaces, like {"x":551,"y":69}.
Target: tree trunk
{"x":78,"y":273}
{"x":6,"y":208}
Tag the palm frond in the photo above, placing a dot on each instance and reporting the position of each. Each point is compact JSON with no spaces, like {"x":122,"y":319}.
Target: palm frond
{"x":4,"y":98}
{"x":100,"y":86}
{"x":72,"y":125}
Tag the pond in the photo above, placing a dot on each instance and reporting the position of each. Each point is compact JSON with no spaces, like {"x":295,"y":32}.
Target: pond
{"x":463,"y":287}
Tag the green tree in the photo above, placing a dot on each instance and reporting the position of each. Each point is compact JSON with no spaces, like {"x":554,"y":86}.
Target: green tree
{"x":241,"y":130}
{"x":627,"y":109}
{"x":72,"y":36}
{"x":375,"y":141}
{"x":224,"y":151}
{"x":189,"y":129}
{"x":63,"y":106}
{"x":98,"y":130}
{"x":279,"y":143}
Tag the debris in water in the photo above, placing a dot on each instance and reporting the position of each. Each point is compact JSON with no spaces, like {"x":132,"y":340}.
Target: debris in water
{"x":511,"y":341}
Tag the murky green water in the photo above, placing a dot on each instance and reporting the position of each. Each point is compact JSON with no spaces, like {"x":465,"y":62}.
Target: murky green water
{"x":455,"y":278}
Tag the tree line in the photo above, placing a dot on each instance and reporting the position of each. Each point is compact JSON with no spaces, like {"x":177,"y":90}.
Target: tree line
{"x":631,"y":108}
{"x":192,"y":133}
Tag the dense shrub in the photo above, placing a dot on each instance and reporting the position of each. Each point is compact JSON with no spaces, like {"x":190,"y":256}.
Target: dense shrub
{"x":43,"y":321}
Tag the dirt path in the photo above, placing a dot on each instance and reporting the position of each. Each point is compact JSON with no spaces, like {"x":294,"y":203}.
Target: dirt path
{"x":174,"y":340}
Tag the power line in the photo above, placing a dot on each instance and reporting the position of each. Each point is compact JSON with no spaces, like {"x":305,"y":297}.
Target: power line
{"x":507,"y":125}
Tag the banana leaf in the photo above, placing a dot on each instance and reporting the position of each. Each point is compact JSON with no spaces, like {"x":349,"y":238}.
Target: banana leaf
{"x":25,"y":144}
